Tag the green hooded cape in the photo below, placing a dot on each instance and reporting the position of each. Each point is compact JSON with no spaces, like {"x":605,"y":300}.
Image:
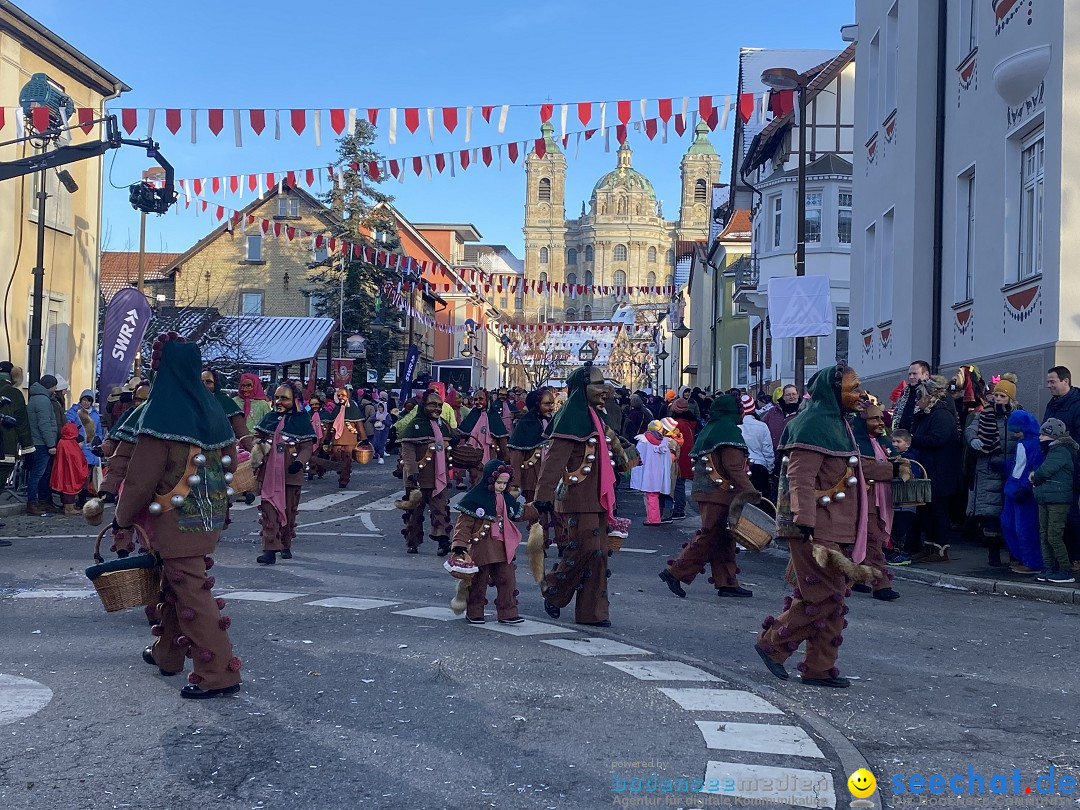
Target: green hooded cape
{"x":179,"y":408}
{"x":480,"y":500}
{"x":528,"y":432}
{"x":419,"y":429}
{"x":124,"y":430}
{"x":574,"y":420}
{"x":862,"y":438}
{"x":352,"y":412}
{"x":228,"y":404}
{"x":820,"y":426}
{"x":297,"y":425}
{"x":496,"y":427}
{"x":722,"y":429}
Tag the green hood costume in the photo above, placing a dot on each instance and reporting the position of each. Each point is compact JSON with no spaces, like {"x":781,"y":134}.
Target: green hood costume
{"x":496,"y":427}
{"x":722,"y":429}
{"x":574,"y":420}
{"x":297,"y":425}
{"x":419,"y":429}
{"x":228,"y":404}
{"x":820,"y":426}
{"x":479,"y":502}
{"x":862,"y":438}
{"x":179,"y":408}
{"x":528,"y":432}
{"x":352,"y":412}
{"x":125,"y":429}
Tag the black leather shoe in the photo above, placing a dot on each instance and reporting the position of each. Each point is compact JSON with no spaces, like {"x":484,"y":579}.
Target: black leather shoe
{"x":551,"y":610}
{"x":734,"y":591}
{"x":148,"y":657}
{"x":481,"y":620}
{"x":773,"y":667}
{"x":673,"y":584}
{"x":444,"y":546}
{"x":193,"y":692}
{"x":834,"y":683}
{"x":267,"y":558}
{"x":886,"y":595}
{"x":412,"y":550}
{"x":286,"y":554}
{"x":604,"y":623}
{"x":860,"y":588}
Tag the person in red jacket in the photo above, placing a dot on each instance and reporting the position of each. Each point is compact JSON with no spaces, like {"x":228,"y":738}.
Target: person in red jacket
{"x":69,"y":468}
{"x":680,"y":412}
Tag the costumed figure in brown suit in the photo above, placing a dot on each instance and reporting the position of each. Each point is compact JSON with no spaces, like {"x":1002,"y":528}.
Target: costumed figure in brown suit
{"x":486,"y":431}
{"x":426,"y":470}
{"x":880,"y":464}
{"x":720,"y":477}
{"x":577,"y":480}
{"x":528,"y":447}
{"x":178,"y":484}
{"x":285,"y":440}
{"x":346,"y":431}
{"x":823,"y":481}
{"x":233,"y":412}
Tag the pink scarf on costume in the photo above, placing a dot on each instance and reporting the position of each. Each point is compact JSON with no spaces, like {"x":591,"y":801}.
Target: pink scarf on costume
{"x":507,"y":417}
{"x":858,"y":554}
{"x":441,"y":479}
{"x":316,"y":424}
{"x":479,"y":434}
{"x":607,"y":472}
{"x":883,"y":490}
{"x":273,"y":483}
{"x":503,"y":528}
{"x":339,"y":423}
{"x":257,"y":391}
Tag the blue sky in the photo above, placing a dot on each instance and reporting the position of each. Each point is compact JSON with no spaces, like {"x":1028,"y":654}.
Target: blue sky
{"x":421,"y":53}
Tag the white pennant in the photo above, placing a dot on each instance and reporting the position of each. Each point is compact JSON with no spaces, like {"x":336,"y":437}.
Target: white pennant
{"x":644,"y":103}
{"x":607,"y":140}
{"x":277,"y":125}
{"x":193,"y":119}
{"x":577,"y":145}
{"x":352,"y":121}
{"x":316,"y":119}
{"x":503,"y":112}
{"x":237,"y":129}
{"x":663,"y":137}
{"x":498,"y":151}
{"x":764,"y":107}
{"x":562,"y":121}
{"x":431,"y":123}
{"x":603,"y":112}
{"x":392,"y":131}
{"x":468,"y":124}
{"x":20,"y":128}
{"x":149,"y":123}
{"x":427,"y":166}
{"x":685,"y":106}
{"x":725,"y":113}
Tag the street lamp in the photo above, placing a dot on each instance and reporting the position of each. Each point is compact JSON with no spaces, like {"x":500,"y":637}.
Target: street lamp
{"x":587,"y":352}
{"x":789,"y":79}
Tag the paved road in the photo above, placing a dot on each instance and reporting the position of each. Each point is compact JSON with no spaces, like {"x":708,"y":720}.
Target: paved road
{"x":361,"y":689}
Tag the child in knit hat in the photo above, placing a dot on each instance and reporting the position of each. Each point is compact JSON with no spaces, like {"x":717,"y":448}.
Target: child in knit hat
{"x":1053,"y":480}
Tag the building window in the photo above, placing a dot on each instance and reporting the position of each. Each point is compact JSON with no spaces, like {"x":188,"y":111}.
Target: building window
{"x":519,"y":301}
{"x":701,"y":192}
{"x":543,"y":278}
{"x":965,"y":237}
{"x":56,"y":334}
{"x":669,"y":280}
{"x":314,"y":306}
{"x":969,"y":27}
{"x":843,"y":217}
{"x":543,"y":255}
{"x":57,"y":206}
{"x":544,"y":194}
{"x":319,"y":255}
{"x":813,"y":217}
{"x":588,"y":253}
{"x":588,"y":280}
{"x":571,"y":314}
{"x":869,"y":274}
{"x":504,"y":302}
{"x":740,"y":366}
{"x":651,"y":255}
{"x":253,"y":249}
{"x":885,"y":296}
{"x":776,"y":205}
{"x":620,"y":279}
{"x":1031,"y":207}
{"x":872,"y":88}
{"x":810,"y":357}
{"x":842,"y":335}
{"x":650,"y":280}
{"x":892,"y":55}
{"x":251,"y":303}
{"x":670,"y":257}
{"x":588,"y":313}
{"x":288,"y":207}
{"x":571,"y":279}
{"x":571,"y":257}
{"x":620,"y":253}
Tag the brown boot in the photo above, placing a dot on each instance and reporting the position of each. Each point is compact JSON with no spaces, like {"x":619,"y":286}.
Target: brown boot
{"x":51,"y":508}
{"x":34,"y":508}
{"x":71,"y":510}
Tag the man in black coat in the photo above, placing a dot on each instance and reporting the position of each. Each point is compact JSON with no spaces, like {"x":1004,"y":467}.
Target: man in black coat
{"x":1064,"y":404}
{"x":935,"y":436}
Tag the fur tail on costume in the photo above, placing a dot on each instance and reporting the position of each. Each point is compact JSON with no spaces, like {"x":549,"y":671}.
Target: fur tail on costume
{"x":458,"y":602}
{"x":413,"y":500}
{"x":93,"y":510}
{"x":838,"y":561}
{"x":535,"y":548}
{"x":258,"y":453}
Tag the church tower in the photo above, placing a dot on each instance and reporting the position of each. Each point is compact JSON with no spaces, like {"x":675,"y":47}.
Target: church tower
{"x":545,"y":225}
{"x":700,"y":169}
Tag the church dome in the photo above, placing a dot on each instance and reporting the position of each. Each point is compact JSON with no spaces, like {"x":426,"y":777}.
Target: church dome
{"x":624,"y":176}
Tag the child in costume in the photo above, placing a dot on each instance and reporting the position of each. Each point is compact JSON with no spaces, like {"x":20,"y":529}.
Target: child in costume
{"x":69,"y":468}
{"x":653,"y":476}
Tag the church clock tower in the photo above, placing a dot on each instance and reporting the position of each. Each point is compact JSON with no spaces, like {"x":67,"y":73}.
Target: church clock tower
{"x":700,"y":169}
{"x":545,"y":225}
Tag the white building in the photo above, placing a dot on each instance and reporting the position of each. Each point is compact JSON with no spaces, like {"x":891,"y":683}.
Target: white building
{"x":962,"y":223}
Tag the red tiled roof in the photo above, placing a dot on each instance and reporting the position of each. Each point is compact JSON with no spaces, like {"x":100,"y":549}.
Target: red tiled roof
{"x":738,"y":227}
{"x":120,"y":268}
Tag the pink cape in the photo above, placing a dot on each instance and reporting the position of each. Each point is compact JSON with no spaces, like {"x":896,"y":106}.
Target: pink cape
{"x":607,"y":472}
{"x":273,"y":483}
{"x":503,"y":528}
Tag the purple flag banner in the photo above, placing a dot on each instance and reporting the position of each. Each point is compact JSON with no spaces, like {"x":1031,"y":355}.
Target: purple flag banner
{"x":411,"y":360}
{"x":126,"y":320}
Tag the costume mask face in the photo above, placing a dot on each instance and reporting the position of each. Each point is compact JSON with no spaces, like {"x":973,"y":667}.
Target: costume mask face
{"x":875,"y":424}
{"x":481,"y":401}
{"x":208,"y":380}
{"x":283,"y":399}
{"x":246,"y":387}
{"x":594,"y":391}
{"x":433,"y":406}
{"x":547,"y":406}
{"x":850,"y":391}
{"x":315,"y":404}
{"x":501,"y":483}
{"x":342,"y":396}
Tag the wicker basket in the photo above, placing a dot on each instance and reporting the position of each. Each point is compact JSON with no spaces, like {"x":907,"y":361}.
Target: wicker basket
{"x":466,"y":456}
{"x":363,"y":453}
{"x":754,"y":528}
{"x":134,"y":581}
{"x":615,"y":543}
{"x":915,"y":492}
{"x":244,"y":478}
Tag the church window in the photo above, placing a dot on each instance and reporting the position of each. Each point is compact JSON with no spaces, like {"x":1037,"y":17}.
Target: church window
{"x":571,"y":314}
{"x":571,"y":279}
{"x":622,"y":206}
{"x":670,"y":281}
{"x":543,"y":255}
{"x":700,"y":191}
{"x":544,"y":195}
{"x":650,"y":280}
{"x":571,"y":257}
{"x":652,"y":255}
{"x":670,"y":257}
{"x":588,"y":253}
{"x":620,"y":253}
{"x":588,"y":278}
{"x":620,"y":278}
{"x":588,"y":313}
{"x":543,"y":278}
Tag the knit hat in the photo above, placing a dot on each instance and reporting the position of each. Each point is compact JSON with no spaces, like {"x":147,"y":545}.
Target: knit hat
{"x":669,"y":424}
{"x":746,"y":402}
{"x":1054,"y":428}
{"x":1006,"y":385}
{"x":61,"y":383}
{"x":670,"y":395}
{"x":47,"y":381}
{"x":6,"y":367}
{"x":680,"y":405}
{"x":777,"y":394}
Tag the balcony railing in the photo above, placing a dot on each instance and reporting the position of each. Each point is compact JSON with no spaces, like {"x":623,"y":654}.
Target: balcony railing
{"x":746,"y":274}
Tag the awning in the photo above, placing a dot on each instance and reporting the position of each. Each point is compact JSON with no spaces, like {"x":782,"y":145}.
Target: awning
{"x":692,"y":370}
{"x":265,"y":342}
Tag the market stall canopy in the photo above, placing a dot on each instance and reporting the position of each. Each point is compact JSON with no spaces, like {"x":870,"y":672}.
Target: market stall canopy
{"x":259,"y":341}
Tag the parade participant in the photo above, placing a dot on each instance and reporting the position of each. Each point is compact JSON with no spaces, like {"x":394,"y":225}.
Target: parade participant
{"x":719,"y":456}
{"x":314,"y":408}
{"x":346,"y":431}
{"x":508,"y":409}
{"x":183,"y":449}
{"x":285,"y":438}
{"x":577,"y":480}
{"x":652,"y":477}
{"x":252,"y":400}
{"x":828,"y":507}
{"x":485,"y":537}
{"x":484,"y":429}
{"x":427,"y":476}
{"x":527,"y":445}
{"x":212,"y":380}
{"x":877,"y":457}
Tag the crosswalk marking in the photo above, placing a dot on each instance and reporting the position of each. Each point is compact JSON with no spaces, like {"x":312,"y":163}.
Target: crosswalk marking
{"x":365,"y":518}
{"x":21,"y":697}
{"x":625,"y":550}
{"x":719,"y":700}
{"x":439,"y":614}
{"x":759,"y":738}
{"x":382,"y":505}
{"x":594,"y":646}
{"x":776,"y":786}
{"x":53,"y":594}
{"x":662,"y":671}
{"x":261,"y":596}
{"x":351,"y":602}
{"x":326,"y":501}
{"x":526,"y":628}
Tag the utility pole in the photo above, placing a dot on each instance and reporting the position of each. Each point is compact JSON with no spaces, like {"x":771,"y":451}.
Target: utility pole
{"x":152,"y":176}
{"x":34,"y":366}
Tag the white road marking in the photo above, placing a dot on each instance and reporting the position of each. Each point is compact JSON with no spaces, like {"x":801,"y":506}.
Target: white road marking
{"x":260,"y":596}
{"x":440,"y":614}
{"x":21,"y":697}
{"x":328,"y":520}
{"x":759,"y":738}
{"x":351,"y":602}
{"x":771,"y":785}
{"x":662,"y":671}
{"x":332,"y":534}
{"x":383,"y":504}
{"x":594,"y":646}
{"x":47,"y":537}
{"x":333,"y":499}
{"x":365,"y":518}
{"x":719,"y":700}
{"x":526,"y":628}
{"x":57,"y":594}
{"x":638,"y":550}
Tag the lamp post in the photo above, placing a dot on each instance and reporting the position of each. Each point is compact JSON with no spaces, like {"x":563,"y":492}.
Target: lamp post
{"x":789,"y":79}
{"x":681,"y":332}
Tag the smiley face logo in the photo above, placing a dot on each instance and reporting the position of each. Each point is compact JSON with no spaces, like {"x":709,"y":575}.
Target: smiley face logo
{"x":862,"y":783}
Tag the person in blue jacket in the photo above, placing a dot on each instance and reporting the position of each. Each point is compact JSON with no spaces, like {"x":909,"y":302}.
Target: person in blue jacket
{"x":1020,"y":515}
